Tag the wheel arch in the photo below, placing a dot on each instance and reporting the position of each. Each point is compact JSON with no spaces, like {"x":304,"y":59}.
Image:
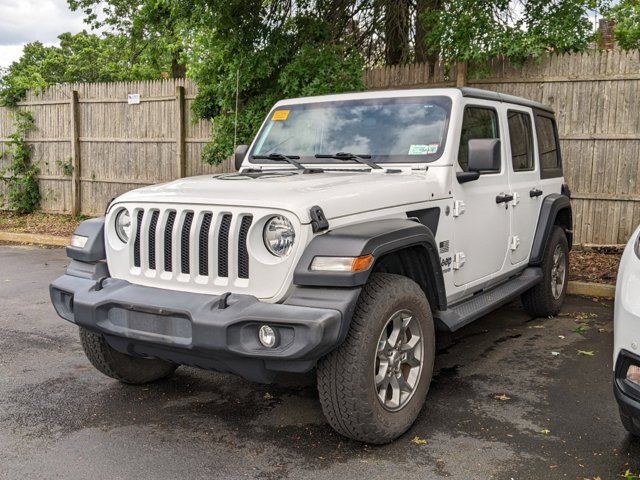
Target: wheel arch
{"x":554,"y":211}
{"x":399,"y":246}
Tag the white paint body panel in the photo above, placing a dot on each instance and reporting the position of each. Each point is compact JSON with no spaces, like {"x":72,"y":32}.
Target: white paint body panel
{"x":626,"y":316}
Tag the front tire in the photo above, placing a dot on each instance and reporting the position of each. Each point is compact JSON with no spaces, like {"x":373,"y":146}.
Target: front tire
{"x":546,"y":298}
{"x":374,"y":385}
{"x":122,"y":367}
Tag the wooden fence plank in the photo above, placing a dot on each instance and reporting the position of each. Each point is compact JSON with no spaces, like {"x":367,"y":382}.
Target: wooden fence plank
{"x":76,"y":206}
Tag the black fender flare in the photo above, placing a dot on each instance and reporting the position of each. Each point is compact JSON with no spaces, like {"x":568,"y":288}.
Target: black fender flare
{"x":378,"y":238}
{"x":551,"y":205}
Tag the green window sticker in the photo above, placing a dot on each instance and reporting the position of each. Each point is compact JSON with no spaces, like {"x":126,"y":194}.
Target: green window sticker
{"x":423,"y":149}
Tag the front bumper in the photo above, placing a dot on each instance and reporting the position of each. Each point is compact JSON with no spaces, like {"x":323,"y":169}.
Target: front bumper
{"x":205,"y":330}
{"x":627,"y":393}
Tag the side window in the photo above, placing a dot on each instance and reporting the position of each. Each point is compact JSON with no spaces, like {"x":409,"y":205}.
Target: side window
{"x":477,"y":122}
{"x":548,"y":147}
{"x":521,"y":140}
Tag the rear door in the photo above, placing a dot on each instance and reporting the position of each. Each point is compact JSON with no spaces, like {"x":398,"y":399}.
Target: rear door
{"x":524,"y":181}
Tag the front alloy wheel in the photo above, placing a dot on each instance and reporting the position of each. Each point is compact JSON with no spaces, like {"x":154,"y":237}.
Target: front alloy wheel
{"x":398,"y":360}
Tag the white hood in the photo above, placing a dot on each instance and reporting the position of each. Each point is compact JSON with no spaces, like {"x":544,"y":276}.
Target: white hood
{"x":337,"y":193}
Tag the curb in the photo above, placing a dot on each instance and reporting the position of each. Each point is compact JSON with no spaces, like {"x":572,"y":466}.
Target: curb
{"x":34,"y":239}
{"x":586,"y":289}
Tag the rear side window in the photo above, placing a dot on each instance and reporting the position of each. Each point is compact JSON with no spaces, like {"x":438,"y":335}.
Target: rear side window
{"x":550,"y":162}
{"x":521,"y":140}
{"x":477,"y":122}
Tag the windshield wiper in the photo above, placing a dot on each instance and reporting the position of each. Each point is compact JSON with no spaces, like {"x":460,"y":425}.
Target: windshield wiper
{"x":279,"y":157}
{"x":350,"y":156}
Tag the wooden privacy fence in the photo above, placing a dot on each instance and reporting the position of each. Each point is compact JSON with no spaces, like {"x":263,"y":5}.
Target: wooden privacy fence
{"x":92,"y":144}
{"x":114,"y":146}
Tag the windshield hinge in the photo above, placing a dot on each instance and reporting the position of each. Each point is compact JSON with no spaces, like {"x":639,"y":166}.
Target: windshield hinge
{"x":319,"y":222}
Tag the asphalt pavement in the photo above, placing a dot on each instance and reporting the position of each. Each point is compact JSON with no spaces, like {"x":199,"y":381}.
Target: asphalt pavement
{"x":513,"y":397}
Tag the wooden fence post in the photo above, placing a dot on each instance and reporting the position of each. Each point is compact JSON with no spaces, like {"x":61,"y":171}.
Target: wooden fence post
{"x":461,"y":74}
{"x":76,"y":205}
{"x":180,"y":132}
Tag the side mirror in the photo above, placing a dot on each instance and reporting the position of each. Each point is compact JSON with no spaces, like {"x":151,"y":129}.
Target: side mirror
{"x":484,"y":156}
{"x":240,"y":153}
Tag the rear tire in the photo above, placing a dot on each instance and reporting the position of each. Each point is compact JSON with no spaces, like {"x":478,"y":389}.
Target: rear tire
{"x":629,"y":425}
{"x":374,"y":385}
{"x":122,"y":367}
{"x":546,"y":298}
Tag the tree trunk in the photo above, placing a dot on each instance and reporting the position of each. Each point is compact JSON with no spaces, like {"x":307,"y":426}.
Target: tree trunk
{"x":423,"y":53}
{"x":396,"y":23}
{"x":178,"y":70}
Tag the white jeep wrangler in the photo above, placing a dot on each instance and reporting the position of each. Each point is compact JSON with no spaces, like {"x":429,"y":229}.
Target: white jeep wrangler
{"x":357,"y":226}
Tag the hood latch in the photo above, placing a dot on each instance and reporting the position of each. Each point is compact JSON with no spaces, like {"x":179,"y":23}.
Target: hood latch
{"x":319,"y":222}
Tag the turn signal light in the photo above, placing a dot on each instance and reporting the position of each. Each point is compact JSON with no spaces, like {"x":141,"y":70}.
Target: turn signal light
{"x":342,"y":264}
{"x":78,"y":241}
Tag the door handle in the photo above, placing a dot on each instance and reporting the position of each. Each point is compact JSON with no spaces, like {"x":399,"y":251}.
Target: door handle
{"x":504,"y":198}
{"x":535,"y":193}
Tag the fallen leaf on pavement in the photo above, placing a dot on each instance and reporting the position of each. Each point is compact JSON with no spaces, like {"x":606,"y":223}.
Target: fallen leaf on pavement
{"x":418,"y":440}
{"x":581,"y":329}
{"x":588,"y":353}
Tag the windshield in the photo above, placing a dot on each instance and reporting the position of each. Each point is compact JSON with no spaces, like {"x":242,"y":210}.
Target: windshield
{"x":396,"y":130}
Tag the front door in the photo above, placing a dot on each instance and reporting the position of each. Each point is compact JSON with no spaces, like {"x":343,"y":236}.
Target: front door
{"x":481,"y":225}
{"x":524,"y":178}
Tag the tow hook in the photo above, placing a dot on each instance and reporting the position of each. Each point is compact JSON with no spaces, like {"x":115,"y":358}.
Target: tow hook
{"x":99,"y":285}
{"x":223,"y":303}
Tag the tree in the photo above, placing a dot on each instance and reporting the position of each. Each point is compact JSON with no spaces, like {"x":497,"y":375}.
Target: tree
{"x":627,"y":17}
{"x":467,"y":30}
{"x":148,"y":23}
{"x":82,"y":57}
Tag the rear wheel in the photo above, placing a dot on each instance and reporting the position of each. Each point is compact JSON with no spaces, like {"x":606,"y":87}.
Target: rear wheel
{"x":374,"y":385}
{"x":546,"y":298}
{"x":127,"y":369}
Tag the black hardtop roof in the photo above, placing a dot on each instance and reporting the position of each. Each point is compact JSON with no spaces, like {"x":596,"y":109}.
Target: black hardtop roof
{"x":502,"y":97}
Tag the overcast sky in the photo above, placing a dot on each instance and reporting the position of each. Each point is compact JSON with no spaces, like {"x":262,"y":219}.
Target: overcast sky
{"x":24,"y":21}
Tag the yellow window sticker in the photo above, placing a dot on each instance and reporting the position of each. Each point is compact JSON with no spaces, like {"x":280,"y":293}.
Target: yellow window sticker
{"x":280,"y":115}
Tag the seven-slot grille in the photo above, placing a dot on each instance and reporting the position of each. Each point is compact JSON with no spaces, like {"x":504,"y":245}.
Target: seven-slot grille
{"x":190,"y":243}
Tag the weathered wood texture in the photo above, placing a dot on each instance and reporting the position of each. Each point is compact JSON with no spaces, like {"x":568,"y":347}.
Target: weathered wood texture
{"x":596,"y":96}
{"x":119,"y":146}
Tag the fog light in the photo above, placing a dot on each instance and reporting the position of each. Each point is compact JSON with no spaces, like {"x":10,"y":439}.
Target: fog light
{"x":633,"y":374}
{"x":267,"y":336}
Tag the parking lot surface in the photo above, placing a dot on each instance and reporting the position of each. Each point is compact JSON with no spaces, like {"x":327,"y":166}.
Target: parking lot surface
{"x":513,"y":397}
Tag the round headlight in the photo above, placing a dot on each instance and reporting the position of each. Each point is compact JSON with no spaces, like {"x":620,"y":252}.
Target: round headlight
{"x":279,"y":236}
{"x":123,"y":225}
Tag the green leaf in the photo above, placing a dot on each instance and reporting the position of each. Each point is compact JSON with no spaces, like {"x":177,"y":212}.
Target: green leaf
{"x":586,"y":353}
